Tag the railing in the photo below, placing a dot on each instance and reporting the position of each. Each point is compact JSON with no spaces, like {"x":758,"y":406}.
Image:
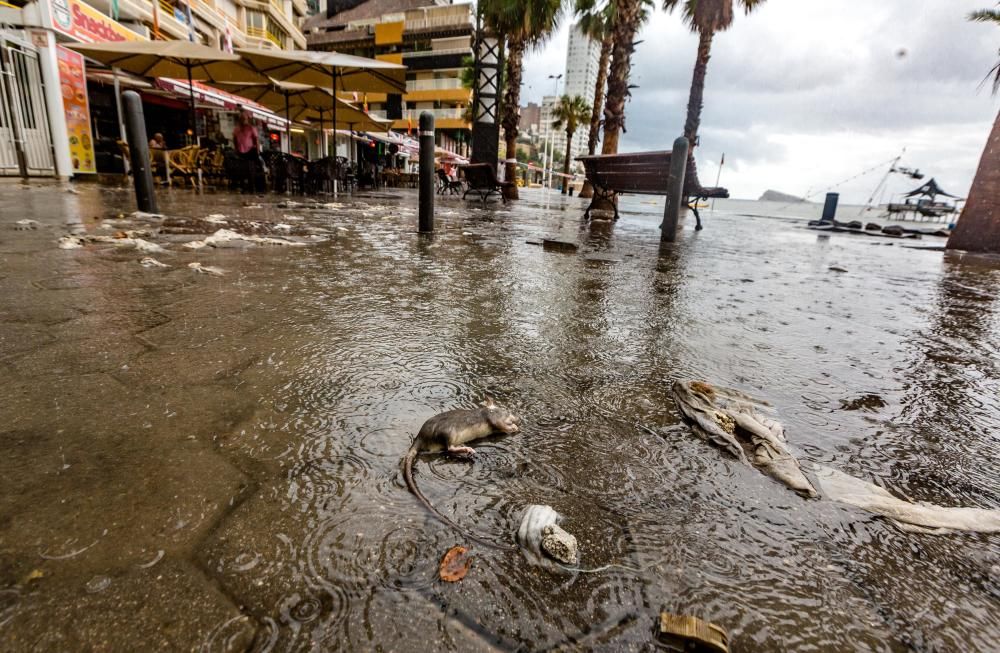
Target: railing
{"x":261,"y":33}
{"x":444,"y":84}
{"x":414,"y":114}
{"x":439,"y":21}
{"x":436,"y":53}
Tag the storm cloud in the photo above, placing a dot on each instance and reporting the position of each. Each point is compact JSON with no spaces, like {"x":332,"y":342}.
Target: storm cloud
{"x":803,"y":96}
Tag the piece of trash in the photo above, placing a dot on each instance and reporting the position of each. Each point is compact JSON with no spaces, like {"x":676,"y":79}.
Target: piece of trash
{"x":455,"y":564}
{"x":26,"y":225}
{"x":216,"y":218}
{"x":206,"y":269}
{"x":559,"y":544}
{"x":731,"y":420}
{"x":70,"y":242}
{"x":72,"y":191}
{"x":142,"y":215}
{"x":534,"y":241}
{"x":834,"y":268}
{"x":553,"y":245}
{"x":542,"y":539}
{"x":34,"y":574}
{"x":150,"y":262}
{"x":223,"y":236}
{"x":919,"y":517}
{"x":691,"y":634}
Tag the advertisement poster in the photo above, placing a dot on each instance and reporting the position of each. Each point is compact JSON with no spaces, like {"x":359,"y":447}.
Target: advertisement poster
{"x":73,"y":86}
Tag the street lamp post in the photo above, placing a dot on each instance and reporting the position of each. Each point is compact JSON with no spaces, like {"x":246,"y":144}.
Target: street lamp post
{"x":550,"y":143}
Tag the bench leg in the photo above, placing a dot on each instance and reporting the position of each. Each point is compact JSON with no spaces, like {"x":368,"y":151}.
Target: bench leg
{"x":697,"y":218}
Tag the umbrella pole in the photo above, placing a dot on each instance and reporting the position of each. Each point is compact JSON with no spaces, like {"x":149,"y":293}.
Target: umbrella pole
{"x":288,"y":128}
{"x":333,"y":78}
{"x":322,"y":136}
{"x":194,"y":124}
{"x":350,"y":144}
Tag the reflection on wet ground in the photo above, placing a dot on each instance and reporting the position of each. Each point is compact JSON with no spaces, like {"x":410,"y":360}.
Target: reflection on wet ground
{"x":211,"y":461}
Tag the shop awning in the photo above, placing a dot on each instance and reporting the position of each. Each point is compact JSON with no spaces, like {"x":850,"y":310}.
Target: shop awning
{"x":210,"y":96}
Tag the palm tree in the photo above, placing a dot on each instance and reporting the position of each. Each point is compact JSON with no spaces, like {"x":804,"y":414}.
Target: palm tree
{"x":626,"y":18}
{"x":596,"y":23}
{"x":978,"y":228}
{"x":569,"y":113}
{"x":990,"y":16}
{"x":525,"y":24}
{"x":705,"y":17}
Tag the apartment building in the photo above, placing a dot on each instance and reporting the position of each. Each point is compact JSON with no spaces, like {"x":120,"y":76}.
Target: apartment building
{"x":583,"y":56}
{"x":433,"y":39}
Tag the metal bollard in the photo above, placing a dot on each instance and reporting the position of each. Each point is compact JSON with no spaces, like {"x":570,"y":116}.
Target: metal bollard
{"x":142,"y":171}
{"x":830,"y":207}
{"x":675,"y":190}
{"x":426,"y":172}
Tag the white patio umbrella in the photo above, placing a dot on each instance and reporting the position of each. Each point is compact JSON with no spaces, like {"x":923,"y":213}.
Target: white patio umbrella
{"x":176,"y":59}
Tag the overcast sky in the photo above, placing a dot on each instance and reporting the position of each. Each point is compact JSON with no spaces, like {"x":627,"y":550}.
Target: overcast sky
{"x":802,"y":95}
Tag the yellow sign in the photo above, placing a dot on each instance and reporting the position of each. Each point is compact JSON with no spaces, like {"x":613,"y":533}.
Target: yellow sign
{"x":388,"y":33}
{"x":82,"y":22}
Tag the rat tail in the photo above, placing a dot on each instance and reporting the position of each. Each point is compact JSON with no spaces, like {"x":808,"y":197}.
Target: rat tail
{"x":407,"y":465}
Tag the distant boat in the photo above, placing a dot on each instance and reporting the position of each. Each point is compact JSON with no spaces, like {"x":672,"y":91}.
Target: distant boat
{"x":926,"y":205}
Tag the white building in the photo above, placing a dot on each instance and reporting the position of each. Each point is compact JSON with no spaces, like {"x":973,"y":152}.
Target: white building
{"x":582,"y":59}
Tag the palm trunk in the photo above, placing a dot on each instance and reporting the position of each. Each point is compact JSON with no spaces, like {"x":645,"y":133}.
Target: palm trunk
{"x":978,"y":228}
{"x":627,"y":19}
{"x":626,"y":24}
{"x":510,"y":115}
{"x":569,"y":146}
{"x":696,"y":101}
{"x":696,"y":96}
{"x":595,"y":116}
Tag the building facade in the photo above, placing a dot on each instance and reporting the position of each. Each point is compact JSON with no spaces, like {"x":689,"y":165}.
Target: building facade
{"x":432,"y":39}
{"x":57,"y":112}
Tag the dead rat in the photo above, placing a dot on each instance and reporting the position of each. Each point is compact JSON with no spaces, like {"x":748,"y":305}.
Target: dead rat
{"x":450,"y":431}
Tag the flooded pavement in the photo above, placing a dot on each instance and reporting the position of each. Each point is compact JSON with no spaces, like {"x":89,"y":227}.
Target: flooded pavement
{"x":203,"y":461}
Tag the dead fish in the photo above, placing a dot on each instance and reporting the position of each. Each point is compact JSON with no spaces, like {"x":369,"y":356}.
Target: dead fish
{"x":732,"y":420}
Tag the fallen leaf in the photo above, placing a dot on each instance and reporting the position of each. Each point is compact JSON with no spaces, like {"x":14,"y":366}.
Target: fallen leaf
{"x":120,"y":234}
{"x":455,"y":564}
{"x":34,"y":575}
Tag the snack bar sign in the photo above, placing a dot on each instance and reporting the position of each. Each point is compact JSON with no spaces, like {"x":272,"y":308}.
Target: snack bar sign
{"x":82,"y":22}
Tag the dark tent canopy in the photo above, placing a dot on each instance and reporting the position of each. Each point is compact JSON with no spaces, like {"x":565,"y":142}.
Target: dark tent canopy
{"x":930,"y":189}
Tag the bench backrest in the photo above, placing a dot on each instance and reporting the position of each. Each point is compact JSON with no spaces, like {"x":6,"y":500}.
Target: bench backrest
{"x":480,"y":175}
{"x":640,"y":172}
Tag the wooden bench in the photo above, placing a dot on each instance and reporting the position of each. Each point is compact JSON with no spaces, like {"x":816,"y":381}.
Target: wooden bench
{"x":482,"y":181}
{"x":641,"y":173}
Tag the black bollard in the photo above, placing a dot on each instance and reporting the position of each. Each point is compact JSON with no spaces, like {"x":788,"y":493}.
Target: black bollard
{"x":426,"y":172}
{"x":830,"y":207}
{"x":675,"y":190}
{"x":142,"y":171}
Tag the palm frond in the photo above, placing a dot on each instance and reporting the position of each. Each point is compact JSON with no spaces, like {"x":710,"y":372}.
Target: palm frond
{"x":985,"y":16}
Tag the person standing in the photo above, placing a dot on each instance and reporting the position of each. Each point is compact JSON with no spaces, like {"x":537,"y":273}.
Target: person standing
{"x":247,"y":145}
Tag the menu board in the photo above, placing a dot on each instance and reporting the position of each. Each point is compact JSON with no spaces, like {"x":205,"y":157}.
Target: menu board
{"x":73,"y":86}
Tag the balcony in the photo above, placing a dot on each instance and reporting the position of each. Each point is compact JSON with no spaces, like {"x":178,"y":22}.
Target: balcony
{"x":437,"y":53}
{"x":456,"y":113}
{"x":439,"y":22}
{"x":446,"y":84}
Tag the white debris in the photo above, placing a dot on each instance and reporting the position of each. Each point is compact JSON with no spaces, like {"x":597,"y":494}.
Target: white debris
{"x":26,"y":225}
{"x":142,"y":215}
{"x":252,"y":206}
{"x":541,"y":538}
{"x":70,"y":242}
{"x":150,"y":262}
{"x":206,"y":269}
{"x":72,"y":190}
{"x":293,"y":218}
{"x":928,"y":518}
{"x":226,"y":235}
{"x":216,"y":218}
{"x":283,"y":227}
{"x":137,"y":243}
